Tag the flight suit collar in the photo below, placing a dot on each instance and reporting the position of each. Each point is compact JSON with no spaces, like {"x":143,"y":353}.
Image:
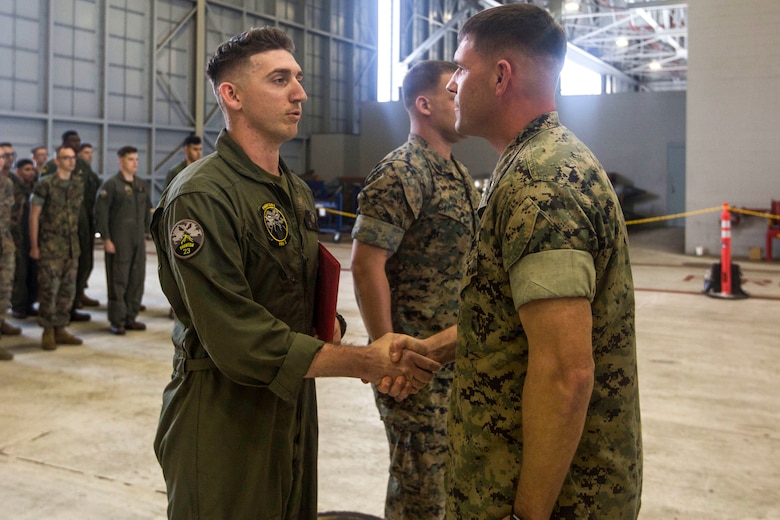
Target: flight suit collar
{"x":230,"y":151}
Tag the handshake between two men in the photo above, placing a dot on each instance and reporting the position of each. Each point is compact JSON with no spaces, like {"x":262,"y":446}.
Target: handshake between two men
{"x":397,"y":364}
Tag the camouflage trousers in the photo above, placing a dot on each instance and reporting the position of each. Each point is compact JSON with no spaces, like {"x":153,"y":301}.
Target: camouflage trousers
{"x":7,"y":263}
{"x":417,"y":435}
{"x":56,"y":289}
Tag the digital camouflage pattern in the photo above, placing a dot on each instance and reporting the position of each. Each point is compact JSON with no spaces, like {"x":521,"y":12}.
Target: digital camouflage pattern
{"x":86,"y":220}
{"x":547,"y":193}
{"x":421,"y":207}
{"x":56,"y":288}
{"x":58,"y":242}
{"x":19,"y":224}
{"x":7,"y":249}
{"x":25,"y":285}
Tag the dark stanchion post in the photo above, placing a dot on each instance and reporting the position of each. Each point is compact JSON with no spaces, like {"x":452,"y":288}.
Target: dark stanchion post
{"x":728,"y":288}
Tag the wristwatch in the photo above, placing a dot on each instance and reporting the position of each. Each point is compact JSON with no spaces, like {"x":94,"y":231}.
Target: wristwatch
{"x":343,"y":326}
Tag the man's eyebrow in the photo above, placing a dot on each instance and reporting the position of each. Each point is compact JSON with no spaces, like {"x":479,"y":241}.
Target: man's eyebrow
{"x":286,"y":72}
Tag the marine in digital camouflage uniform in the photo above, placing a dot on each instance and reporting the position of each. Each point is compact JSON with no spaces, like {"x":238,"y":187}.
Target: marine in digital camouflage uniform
{"x":544,"y":418}
{"x":54,"y":241}
{"x":7,"y":256}
{"x":91,"y":184}
{"x":7,"y":244}
{"x":7,"y":249}
{"x":25,"y":289}
{"x":548,"y":195}
{"x":421,"y":208}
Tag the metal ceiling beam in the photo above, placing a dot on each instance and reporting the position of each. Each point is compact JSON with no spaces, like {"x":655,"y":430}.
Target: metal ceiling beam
{"x":657,"y":3}
{"x":672,"y":42}
{"x":433,"y":38}
{"x":586,"y":59}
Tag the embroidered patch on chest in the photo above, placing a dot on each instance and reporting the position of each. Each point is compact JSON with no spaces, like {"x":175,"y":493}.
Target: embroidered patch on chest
{"x":275,"y":223}
{"x":187,"y":238}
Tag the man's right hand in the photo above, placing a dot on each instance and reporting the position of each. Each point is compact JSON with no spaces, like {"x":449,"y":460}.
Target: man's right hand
{"x":440,"y":347}
{"x":402,"y":371}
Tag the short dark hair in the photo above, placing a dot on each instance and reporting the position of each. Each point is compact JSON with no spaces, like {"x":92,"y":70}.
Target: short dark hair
{"x":85,"y":145}
{"x":237,"y":50}
{"x":21,"y":163}
{"x":67,"y":134}
{"x":126,"y":150}
{"x":36,"y":148}
{"x":6,"y":143}
{"x":517,"y":26}
{"x":424,"y":77}
{"x":192,"y":139}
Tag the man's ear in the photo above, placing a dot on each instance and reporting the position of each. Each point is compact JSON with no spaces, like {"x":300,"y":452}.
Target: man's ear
{"x":229,"y":94}
{"x":423,"y":105}
{"x":503,"y":76}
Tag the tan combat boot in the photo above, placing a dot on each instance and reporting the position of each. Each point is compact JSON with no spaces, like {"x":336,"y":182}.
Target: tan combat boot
{"x":9,"y":330}
{"x":47,"y":339}
{"x":63,"y":337}
{"x":5,"y":355}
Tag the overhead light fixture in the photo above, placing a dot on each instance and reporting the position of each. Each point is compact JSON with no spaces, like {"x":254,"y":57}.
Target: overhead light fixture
{"x":654,"y":65}
{"x":571,"y":6}
{"x":621,"y":42}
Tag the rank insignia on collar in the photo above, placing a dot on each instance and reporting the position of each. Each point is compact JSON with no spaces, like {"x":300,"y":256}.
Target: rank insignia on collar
{"x":186,"y":238}
{"x":275,"y":223}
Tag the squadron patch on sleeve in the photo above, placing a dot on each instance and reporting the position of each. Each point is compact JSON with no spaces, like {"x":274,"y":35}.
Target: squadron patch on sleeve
{"x":275,"y":223}
{"x":186,"y":238}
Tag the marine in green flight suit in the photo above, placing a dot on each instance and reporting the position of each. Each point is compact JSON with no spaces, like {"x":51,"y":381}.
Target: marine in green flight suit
{"x":122,"y":217}
{"x":236,"y":238}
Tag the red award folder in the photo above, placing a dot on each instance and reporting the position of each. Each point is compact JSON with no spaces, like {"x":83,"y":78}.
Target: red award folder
{"x":327,"y":293}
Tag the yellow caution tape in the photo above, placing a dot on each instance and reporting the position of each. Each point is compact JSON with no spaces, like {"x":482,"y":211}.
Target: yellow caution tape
{"x":336,"y":212}
{"x":629,"y":222}
{"x":674,"y":216}
{"x":754,"y":213}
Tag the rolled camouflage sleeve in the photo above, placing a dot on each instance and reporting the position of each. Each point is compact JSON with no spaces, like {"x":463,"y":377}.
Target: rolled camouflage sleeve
{"x":545,"y":249}
{"x":388,"y":205}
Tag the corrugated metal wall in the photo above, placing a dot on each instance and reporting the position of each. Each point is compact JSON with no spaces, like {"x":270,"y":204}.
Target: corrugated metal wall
{"x":124,"y":71}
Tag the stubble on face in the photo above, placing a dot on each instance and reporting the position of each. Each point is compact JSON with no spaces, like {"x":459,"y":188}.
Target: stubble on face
{"x":274,"y":80}
{"x":444,"y":111}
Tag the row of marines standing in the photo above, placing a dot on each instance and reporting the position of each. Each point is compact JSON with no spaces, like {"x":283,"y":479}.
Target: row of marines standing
{"x":48,"y":226}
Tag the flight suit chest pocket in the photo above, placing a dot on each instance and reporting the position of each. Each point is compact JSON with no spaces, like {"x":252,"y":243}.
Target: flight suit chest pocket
{"x":272,"y":273}
{"x":268,"y":262}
